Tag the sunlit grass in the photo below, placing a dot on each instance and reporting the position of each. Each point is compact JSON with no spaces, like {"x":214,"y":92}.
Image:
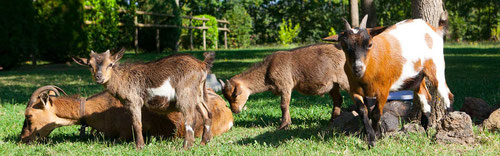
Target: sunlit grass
{"x":472,"y":70}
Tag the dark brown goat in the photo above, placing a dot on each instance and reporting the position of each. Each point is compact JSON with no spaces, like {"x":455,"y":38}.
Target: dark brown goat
{"x":180,"y":78}
{"x":312,"y":70}
{"x":106,"y":114}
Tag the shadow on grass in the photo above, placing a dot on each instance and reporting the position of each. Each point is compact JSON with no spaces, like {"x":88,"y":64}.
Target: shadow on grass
{"x":74,"y":138}
{"x":276,"y":138}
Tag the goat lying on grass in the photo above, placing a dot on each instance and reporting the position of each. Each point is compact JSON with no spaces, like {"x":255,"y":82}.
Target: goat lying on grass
{"x":397,"y":57}
{"x":178,"y":79}
{"x":103,"y":112}
{"x":312,"y":70}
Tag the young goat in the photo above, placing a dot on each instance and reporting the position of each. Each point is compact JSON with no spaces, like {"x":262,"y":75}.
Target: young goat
{"x":312,"y":70}
{"x":179,"y":78}
{"x":398,"y":57}
{"x":103,"y":112}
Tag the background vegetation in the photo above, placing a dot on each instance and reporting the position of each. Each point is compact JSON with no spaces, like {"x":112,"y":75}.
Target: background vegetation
{"x":472,"y":70}
{"x":54,"y":30}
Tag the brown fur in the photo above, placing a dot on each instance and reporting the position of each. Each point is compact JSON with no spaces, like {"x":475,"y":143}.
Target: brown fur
{"x":129,"y":83}
{"x":312,"y":70}
{"x":106,"y":114}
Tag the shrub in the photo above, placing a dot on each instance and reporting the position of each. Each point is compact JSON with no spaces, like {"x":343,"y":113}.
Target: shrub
{"x":169,"y":37}
{"x":17,"y":35}
{"x":103,"y":33}
{"x":60,"y":34}
{"x":212,"y":34}
{"x":241,"y":25}
{"x":332,"y":32}
{"x":288,"y":32}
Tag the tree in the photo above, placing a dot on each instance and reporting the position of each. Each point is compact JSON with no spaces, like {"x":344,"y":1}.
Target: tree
{"x":354,"y":13}
{"x":430,"y":11}
{"x":369,"y":8}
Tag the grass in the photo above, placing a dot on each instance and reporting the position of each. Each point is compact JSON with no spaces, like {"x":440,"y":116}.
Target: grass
{"x":472,"y":70}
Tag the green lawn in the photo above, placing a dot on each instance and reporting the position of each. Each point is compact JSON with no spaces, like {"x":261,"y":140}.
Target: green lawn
{"x":472,"y":70}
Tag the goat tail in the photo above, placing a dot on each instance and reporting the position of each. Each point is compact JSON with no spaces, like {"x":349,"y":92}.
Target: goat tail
{"x":209,"y":59}
{"x":443,"y":24}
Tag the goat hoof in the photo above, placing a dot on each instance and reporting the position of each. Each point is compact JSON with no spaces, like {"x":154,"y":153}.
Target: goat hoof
{"x":284,"y":127}
{"x":139,"y":147}
{"x":187,"y":146}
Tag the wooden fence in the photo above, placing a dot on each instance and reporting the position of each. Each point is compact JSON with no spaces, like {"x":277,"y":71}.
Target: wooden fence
{"x":138,"y":25}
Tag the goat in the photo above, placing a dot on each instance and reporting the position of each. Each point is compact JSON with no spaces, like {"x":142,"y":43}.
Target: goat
{"x":179,"y":78}
{"x":312,"y":70}
{"x":103,"y":112}
{"x":397,"y":57}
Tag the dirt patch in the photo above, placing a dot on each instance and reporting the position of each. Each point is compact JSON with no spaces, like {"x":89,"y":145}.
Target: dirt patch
{"x":456,"y":127}
{"x":493,"y":122}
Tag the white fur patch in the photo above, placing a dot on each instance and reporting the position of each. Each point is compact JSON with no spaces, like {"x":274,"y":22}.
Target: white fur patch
{"x":426,"y":108}
{"x":363,"y":66}
{"x":207,"y":127}
{"x":355,"y":31}
{"x":165,"y":90}
{"x":411,"y":38}
{"x":230,"y":125}
{"x":189,"y":129}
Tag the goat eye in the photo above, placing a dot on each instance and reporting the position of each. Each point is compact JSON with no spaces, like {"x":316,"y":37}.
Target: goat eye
{"x":370,"y":45}
{"x":110,"y":65}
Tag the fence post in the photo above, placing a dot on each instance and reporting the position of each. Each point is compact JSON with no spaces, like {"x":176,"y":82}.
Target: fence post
{"x":136,"y":39}
{"x":190,"y":31}
{"x":204,"y":35}
{"x":225,"y":35}
{"x":157,"y":40}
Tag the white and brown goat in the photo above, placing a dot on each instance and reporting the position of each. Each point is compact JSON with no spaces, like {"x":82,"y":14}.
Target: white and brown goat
{"x":312,"y":70}
{"x":178,"y":79}
{"x":104,"y":113}
{"x":397,"y":57}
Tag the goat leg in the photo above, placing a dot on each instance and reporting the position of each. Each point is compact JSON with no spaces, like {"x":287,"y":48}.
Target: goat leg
{"x":286,"y":120}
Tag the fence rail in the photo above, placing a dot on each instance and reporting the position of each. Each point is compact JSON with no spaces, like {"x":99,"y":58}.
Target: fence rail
{"x":138,"y":25}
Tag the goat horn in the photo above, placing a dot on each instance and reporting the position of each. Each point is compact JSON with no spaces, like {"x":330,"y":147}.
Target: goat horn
{"x":347,"y":26}
{"x":222,"y":83}
{"x":57,"y":88}
{"x":363,"y":22}
{"x":39,"y":91}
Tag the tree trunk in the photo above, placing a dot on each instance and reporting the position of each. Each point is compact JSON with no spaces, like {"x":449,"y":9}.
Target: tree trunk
{"x":430,"y":11}
{"x":354,"y":13}
{"x":369,"y":8}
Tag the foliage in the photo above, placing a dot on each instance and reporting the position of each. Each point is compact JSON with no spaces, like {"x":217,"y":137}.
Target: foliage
{"x":332,"y":32}
{"x":61,"y":34}
{"x":169,"y":37}
{"x":212,"y":33}
{"x":241,"y":25}
{"x":17,"y":35}
{"x":103,"y":33}
{"x":288,"y":32}
{"x":495,"y":32}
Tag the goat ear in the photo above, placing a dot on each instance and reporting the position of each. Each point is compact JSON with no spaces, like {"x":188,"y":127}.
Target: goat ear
{"x":237,"y":90}
{"x":375,"y":31}
{"x":81,"y":61}
{"x":117,"y":56}
{"x":333,"y":38}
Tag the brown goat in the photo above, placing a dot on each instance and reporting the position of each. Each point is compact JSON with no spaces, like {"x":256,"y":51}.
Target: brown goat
{"x":106,"y":114}
{"x":180,"y":78}
{"x":312,"y":70}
